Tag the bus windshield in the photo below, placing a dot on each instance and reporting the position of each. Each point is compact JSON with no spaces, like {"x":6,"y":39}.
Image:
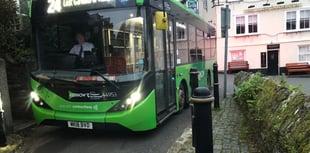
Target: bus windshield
{"x":112,"y":41}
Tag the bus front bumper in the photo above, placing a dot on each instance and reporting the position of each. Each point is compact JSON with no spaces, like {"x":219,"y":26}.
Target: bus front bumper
{"x":140,"y":118}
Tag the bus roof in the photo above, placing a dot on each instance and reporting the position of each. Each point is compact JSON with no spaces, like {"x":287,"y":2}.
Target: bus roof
{"x":174,"y":7}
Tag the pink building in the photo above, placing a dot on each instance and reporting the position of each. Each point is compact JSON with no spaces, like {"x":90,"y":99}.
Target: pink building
{"x":266,"y":33}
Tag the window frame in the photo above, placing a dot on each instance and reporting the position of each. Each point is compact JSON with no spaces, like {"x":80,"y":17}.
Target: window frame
{"x":241,"y":52}
{"x":185,"y":30}
{"x":308,"y":53}
{"x":237,"y":27}
{"x":305,"y":19}
{"x":246,"y":24}
{"x":298,"y":20}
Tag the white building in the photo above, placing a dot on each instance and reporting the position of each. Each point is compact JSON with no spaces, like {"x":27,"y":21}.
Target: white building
{"x":266,"y":33}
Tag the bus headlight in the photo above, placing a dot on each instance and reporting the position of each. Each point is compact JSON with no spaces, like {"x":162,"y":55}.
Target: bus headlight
{"x":127,"y":104}
{"x":38,"y":101}
{"x":34,"y":96}
{"x":134,"y":98}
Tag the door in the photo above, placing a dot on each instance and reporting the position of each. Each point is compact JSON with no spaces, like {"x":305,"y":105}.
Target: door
{"x":273,"y":62}
{"x":164,"y":71}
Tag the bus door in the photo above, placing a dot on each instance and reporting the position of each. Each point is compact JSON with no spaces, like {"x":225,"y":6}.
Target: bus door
{"x":164,"y":69}
{"x":171,"y":64}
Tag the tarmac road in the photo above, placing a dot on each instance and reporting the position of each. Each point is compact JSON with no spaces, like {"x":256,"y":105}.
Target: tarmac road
{"x":48,"y":139}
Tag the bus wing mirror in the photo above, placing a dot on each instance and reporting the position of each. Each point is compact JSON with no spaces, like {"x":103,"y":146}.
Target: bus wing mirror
{"x":161,"y":20}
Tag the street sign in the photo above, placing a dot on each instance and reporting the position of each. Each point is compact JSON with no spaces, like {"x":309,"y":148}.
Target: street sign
{"x":223,"y":20}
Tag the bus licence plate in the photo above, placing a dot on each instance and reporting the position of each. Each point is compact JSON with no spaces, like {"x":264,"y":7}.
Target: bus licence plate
{"x":80,"y":125}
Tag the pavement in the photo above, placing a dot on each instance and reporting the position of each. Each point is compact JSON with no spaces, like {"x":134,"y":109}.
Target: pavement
{"x":228,"y":133}
{"x":15,"y":140}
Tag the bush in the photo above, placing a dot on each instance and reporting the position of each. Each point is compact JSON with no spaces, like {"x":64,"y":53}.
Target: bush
{"x":248,"y":90}
{"x":277,"y":114}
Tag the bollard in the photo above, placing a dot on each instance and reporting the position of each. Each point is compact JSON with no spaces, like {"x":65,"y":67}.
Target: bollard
{"x":193,"y":78}
{"x":202,"y":120}
{"x":216,"y":86}
{"x":2,"y":127}
{"x":2,"y":131}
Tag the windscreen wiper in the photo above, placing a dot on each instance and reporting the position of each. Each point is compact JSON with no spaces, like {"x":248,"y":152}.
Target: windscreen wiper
{"x":105,"y":79}
{"x":69,"y":81}
{"x":53,"y":80}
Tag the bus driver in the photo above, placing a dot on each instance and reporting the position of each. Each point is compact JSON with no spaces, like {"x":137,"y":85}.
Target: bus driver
{"x":82,"y":46}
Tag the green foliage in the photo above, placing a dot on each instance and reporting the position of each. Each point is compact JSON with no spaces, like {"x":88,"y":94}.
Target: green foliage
{"x":278,"y":115}
{"x":283,"y":83}
{"x":247,"y":92}
{"x":15,"y":44}
{"x":7,"y":29}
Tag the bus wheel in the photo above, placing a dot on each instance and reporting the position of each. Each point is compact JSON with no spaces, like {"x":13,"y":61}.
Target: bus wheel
{"x":181,"y":98}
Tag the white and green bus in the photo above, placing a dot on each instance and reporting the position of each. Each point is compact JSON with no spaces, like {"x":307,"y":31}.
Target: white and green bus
{"x":136,"y":74}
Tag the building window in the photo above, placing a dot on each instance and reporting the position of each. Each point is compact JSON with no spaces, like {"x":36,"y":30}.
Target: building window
{"x":298,"y":20}
{"x":247,"y":24}
{"x":252,"y":23}
{"x":240,"y":25}
{"x":237,"y":55}
{"x":263,"y":59}
{"x":290,"y":20}
{"x":180,"y":31}
{"x":304,"y":19}
{"x":304,"y":53}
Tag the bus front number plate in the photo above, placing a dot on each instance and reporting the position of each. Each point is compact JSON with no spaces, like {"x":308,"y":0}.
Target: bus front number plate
{"x":80,"y":125}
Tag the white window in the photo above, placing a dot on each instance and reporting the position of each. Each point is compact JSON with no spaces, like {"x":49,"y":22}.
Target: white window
{"x":304,"y":53}
{"x":240,"y":25}
{"x":304,"y":19}
{"x":291,"y":20}
{"x":246,"y":24}
{"x":237,"y":55}
{"x":298,"y":20}
{"x":252,"y":23}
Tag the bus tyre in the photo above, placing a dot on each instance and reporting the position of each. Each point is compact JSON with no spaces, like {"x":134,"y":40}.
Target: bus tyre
{"x":181,"y":98}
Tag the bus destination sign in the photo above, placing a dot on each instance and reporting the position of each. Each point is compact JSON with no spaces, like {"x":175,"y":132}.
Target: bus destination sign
{"x":58,"y":6}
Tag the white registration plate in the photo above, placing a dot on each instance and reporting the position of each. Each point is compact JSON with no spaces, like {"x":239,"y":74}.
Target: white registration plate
{"x":80,"y":125}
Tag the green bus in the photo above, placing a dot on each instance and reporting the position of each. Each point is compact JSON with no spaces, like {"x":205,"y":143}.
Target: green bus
{"x":136,"y":72}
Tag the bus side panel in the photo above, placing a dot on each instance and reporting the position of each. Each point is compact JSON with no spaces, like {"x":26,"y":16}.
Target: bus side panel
{"x":182,"y":73}
{"x":141,"y":118}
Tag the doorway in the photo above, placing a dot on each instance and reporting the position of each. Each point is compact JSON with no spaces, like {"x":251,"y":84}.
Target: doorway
{"x":273,"y":62}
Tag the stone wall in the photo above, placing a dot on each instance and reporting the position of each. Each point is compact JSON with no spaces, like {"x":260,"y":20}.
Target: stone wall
{"x":279,"y":115}
{"x":5,"y":105}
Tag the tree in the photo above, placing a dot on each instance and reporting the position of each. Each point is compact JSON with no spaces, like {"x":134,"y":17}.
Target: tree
{"x":7,"y":29}
{"x":15,"y":32}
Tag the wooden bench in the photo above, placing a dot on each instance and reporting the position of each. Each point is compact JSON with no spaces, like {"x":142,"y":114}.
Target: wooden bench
{"x":238,"y":65}
{"x":297,"y":67}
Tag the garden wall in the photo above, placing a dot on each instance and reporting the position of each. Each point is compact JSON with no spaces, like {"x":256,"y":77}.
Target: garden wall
{"x":278,"y":114}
